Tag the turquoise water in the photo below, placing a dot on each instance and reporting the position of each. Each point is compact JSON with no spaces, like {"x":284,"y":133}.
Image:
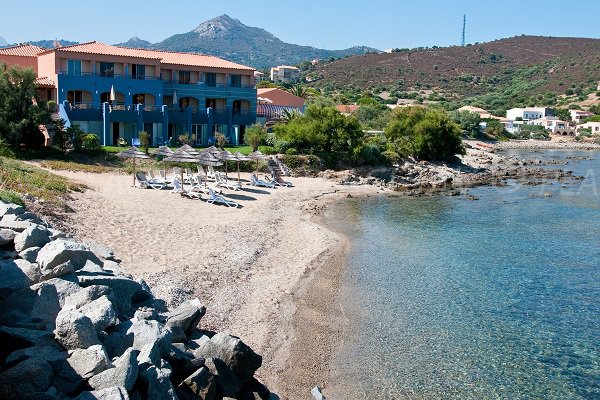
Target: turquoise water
{"x":497,"y":298}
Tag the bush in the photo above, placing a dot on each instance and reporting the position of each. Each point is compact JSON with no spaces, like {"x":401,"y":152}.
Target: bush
{"x":144,"y":140}
{"x":291,"y":151}
{"x":391,"y":157}
{"x":254,"y":136}
{"x":268,"y":150}
{"x":368,"y":154}
{"x":8,"y":196}
{"x":90,"y":142}
{"x":52,"y":106}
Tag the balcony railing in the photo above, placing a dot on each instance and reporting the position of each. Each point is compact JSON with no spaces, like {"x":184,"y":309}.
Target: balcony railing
{"x":85,"y":106}
{"x":121,"y":76}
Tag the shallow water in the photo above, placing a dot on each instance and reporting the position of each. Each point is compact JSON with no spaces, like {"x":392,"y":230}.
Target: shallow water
{"x":497,"y":298}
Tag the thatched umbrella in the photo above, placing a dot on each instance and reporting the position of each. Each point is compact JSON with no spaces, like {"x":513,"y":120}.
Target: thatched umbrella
{"x":189,"y":149}
{"x":211,"y":150}
{"x":238,"y":158}
{"x":207,"y":159}
{"x":225,"y":156}
{"x":257,"y":155}
{"x":133,"y":153}
{"x":162,"y":151}
{"x":180,"y":155}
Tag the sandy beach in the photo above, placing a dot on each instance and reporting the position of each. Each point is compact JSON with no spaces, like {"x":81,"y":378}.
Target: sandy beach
{"x":253,"y":267}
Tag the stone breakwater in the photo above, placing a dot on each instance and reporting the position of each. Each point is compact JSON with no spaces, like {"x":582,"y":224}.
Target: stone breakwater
{"x":74,"y":325}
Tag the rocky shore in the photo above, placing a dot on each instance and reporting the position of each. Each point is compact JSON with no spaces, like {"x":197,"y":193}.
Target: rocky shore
{"x":75,"y":325}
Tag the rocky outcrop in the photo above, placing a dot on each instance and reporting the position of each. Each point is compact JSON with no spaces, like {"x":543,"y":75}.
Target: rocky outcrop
{"x":75,"y":325}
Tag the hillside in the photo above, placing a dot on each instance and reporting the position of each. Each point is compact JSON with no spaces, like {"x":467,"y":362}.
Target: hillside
{"x":516,"y":68}
{"x":3,"y":42}
{"x":136,"y":43}
{"x":232,"y":40}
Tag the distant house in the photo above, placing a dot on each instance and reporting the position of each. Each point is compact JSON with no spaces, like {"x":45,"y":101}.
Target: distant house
{"x":24,"y":55}
{"x":484,"y":114}
{"x":258,"y":76}
{"x":593,"y":126}
{"x":528,"y":113}
{"x":554,"y":125}
{"x":273,"y":103}
{"x":346,"y":109}
{"x":285,"y":73}
{"x":578,"y":116}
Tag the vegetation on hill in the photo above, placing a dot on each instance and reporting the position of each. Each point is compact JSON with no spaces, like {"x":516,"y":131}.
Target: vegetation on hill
{"x":520,"y":71}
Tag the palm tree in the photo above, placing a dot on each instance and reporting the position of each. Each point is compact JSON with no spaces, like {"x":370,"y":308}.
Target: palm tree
{"x":298,"y":90}
{"x":289,"y":115}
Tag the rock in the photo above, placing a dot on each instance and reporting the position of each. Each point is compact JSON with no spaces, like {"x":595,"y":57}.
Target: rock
{"x":149,"y":355}
{"x":33,"y":375}
{"x":185,"y":318}
{"x":30,"y":254}
{"x":316,"y":393}
{"x":47,"y":349}
{"x":12,"y":224}
{"x":125,"y":290}
{"x":88,"y":362}
{"x":254,"y":389}
{"x":146,"y":313}
{"x":114,"y":268}
{"x":86,"y":296}
{"x":61,"y":251}
{"x":74,"y":330}
{"x":145,"y":332}
{"x":118,"y":340}
{"x":14,"y":275}
{"x":65,"y":268}
{"x":28,"y":337}
{"x":100,"y":312}
{"x":34,"y":236}
{"x":183,"y":363}
{"x":56,"y":234}
{"x":65,"y":286}
{"x":100,"y":251}
{"x":226,"y":380}
{"x":91,"y":268}
{"x":7,"y":237}
{"x":240,"y":358}
{"x":202,"y":383}
{"x":158,"y":384}
{"x":10,"y":209}
{"x":124,"y":374}
{"x":111,"y":393}
{"x":46,"y":305}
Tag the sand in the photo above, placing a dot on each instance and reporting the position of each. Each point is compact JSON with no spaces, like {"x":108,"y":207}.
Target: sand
{"x":254,"y":267}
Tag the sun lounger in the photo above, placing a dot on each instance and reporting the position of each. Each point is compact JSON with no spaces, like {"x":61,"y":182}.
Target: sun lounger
{"x":163,"y":176}
{"x":156,"y":179}
{"x":179,"y":188}
{"x":199,"y":186}
{"x":143,"y":182}
{"x":254,"y":181}
{"x":277,"y":180}
{"x":215,"y":198}
{"x":223,"y":182}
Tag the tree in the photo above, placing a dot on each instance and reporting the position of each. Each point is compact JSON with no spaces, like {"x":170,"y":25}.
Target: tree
{"x":144,"y":140}
{"x":255,"y":135}
{"x":495,"y":128}
{"x":373,"y":116}
{"x":221,"y":140}
{"x":468,"y":121}
{"x":266,"y":84}
{"x":298,"y":90}
{"x":563,"y":114}
{"x":20,"y":113}
{"x":425,"y":133}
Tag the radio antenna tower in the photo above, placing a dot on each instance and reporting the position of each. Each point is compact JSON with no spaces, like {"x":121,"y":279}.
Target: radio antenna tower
{"x":464,"y":28}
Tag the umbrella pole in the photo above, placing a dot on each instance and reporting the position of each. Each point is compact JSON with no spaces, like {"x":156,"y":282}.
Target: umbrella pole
{"x":205,"y":168}
{"x":226,"y":177}
{"x":181,"y":169}
{"x":239,"y":180}
{"x":133,"y":171}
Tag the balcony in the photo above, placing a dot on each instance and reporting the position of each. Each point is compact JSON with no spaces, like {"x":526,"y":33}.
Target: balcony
{"x":112,"y":76}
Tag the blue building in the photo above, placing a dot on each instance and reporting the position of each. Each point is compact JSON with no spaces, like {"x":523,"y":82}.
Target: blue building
{"x":116,"y":92}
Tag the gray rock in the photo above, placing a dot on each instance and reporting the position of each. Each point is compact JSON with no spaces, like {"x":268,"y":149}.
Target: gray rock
{"x":46,"y":305}
{"x":225,"y":379}
{"x":146,"y":313}
{"x":89,"y":362}
{"x":7,"y":237}
{"x":74,"y":330}
{"x":115,"y":268}
{"x":100,"y":251}
{"x":125,"y":291}
{"x":65,"y":268}
{"x":56,"y":234}
{"x":10,"y":209}
{"x":61,"y":251}
{"x":34,"y":236}
{"x":149,"y":355}
{"x":118,"y":340}
{"x":111,"y":393}
{"x":30,"y":254}
{"x":240,"y":358}
{"x":158,"y":384}
{"x":14,"y":275}
{"x":65,"y":286}
{"x":24,"y":335}
{"x":100,"y":312}
{"x":33,"y":375}
{"x":86,"y":296}
{"x":91,"y":268}
{"x":185,"y":318}
{"x":316,"y":393}
{"x":49,"y":350}
{"x":202,"y":383}
{"x":145,"y":332}
{"x":14,"y":225}
{"x":124,"y":374}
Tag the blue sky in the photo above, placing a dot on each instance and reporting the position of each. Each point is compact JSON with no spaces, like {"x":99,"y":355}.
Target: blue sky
{"x":329,"y":24}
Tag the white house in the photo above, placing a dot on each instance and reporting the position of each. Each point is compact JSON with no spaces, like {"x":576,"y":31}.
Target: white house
{"x":527,"y":114}
{"x":578,"y":116}
{"x":554,"y":125}
{"x":593,"y":126}
{"x":285,"y":73}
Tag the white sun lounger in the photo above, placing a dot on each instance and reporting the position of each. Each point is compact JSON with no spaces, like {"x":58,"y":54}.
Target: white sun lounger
{"x":254,"y":181}
{"x":223,"y":182}
{"x":143,"y":182}
{"x":215,"y":198}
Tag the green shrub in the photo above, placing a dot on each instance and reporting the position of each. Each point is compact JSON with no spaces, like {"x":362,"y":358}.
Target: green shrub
{"x":52,"y":106}
{"x":268,"y":150}
{"x":8,"y":196}
{"x":391,"y":157}
{"x":144,"y":140}
{"x":90,"y":142}
{"x":291,"y":151}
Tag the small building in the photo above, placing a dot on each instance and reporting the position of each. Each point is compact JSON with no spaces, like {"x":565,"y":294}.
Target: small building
{"x":274,"y":102}
{"x":258,"y":76}
{"x":347,"y":109}
{"x":578,"y":116}
{"x":554,"y":125}
{"x":593,"y":126}
{"x":23,"y":55}
{"x":285,"y":73}
{"x":528,"y":113}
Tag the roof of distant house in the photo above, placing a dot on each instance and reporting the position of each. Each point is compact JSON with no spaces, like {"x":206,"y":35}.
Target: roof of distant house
{"x":165,"y":57}
{"x":280,"y":97}
{"x":22,"y":50}
{"x":474,"y":109}
{"x":346,"y":108}
{"x":581,"y":112}
{"x":286,"y":66}
{"x":44,"y":81}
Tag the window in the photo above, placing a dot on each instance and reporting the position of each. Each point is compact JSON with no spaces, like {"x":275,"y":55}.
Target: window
{"x":75,"y":97}
{"x":184,"y":77}
{"x":211,"y":79}
{"x":107,"y":69}
{"x":236,"y":81}
{"x":138,"y":71}
{"x":74,"y":67}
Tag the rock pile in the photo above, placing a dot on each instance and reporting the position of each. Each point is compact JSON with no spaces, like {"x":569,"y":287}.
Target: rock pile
{"x":74,"y":325}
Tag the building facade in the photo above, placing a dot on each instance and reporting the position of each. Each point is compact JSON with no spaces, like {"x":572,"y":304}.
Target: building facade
{"x":285,"y":73}
{"x":116,"y":92}
{"x":526,"y":114}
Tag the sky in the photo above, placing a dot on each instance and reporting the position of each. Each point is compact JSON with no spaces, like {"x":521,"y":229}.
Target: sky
{"x":328,"y":24}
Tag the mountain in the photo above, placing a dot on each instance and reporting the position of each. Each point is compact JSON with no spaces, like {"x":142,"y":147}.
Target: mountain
{"x":49,"y":44}
{"x":3,"y":42}
{"x":517,"y":70}
{"x":136,"y":43}
{"x":230,"y":39}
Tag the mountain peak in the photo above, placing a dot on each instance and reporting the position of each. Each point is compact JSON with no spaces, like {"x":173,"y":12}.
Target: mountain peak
{"x":136,"y":42}
{"x":219,"y":26}
{"x":3,"y":42}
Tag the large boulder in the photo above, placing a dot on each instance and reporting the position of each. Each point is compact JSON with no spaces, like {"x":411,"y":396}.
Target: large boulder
{"x":157,"y":384}
{"x":65,"y":286}
{"x":7,"y":238}
{"x":61,"y":251}
{"x":111,"y":393}
{"x":9,"y":222}
{"x":47,"y":349}
{"x":33,"y":375}
{"x":89,"y":362}
{"x":34,"y":236}
{"x":46,"y":305}
{"x":149,"y":355}
{"x":30,"y":254}
{"x":124,"y":374}
{"x":202,"y":384}
{"x":16,"y":275}
{"x":148,"y":331}
{"x":125,"y":291}
{"x":10,"y":209}
{"x":100,"y":312}
{"x":87,"y":295}
{"x":184,"y":319}
{"x":66,"y":268}
{"x":74,"y":330}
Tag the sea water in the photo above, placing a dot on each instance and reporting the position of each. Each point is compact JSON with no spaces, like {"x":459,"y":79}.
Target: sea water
{"x":497,"y":298}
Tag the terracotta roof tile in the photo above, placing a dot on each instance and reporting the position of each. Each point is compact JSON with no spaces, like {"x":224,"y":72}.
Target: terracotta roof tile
{"x":23,"y":50}
{"x":165,"y":57}
{"x":44,"y":81}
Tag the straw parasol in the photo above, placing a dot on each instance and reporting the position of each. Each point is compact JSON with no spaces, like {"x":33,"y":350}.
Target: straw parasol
{"x":211,"y":150}
{"x":133,"y":153}
{"x":225,"y":156}
{"x":238,"y":158}
{"x":180,"y":155}
{"x":257,"y":155}
{"x":162,"y":151}
{"x":207,"y":159}
{"x":189,"y":149}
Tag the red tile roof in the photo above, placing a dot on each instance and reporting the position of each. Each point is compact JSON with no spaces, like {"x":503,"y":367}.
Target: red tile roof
{"x":23,"y":50}
{"x":346,"y":109}
{"x":44,"y":81}
{"x":165,"y":57}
